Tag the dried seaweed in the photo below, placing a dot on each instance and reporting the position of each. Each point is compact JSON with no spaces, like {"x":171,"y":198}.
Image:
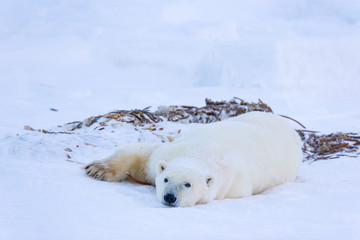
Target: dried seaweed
{"x":316,"y":146}
{"x":211,"y":112}
{"x":321,"y":147}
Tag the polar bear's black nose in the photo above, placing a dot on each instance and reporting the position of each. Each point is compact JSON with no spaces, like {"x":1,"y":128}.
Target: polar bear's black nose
{"x":170,"y":198}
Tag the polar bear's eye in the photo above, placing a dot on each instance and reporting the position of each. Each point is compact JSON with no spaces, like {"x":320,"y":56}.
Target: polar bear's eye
{"x":166,"y":180}
{"x":187,"y":185}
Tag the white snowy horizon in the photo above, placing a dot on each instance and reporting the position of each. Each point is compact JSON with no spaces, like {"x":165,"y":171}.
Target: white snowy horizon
{"x":90,"y":57}
{"x":85,"y":58}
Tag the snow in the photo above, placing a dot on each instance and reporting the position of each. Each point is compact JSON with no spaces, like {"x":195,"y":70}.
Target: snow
{"x":85,"y":58}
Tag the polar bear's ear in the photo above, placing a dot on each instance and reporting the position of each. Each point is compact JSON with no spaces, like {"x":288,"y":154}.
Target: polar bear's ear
{"x":209,"y":180}
{"x":161,"y":167}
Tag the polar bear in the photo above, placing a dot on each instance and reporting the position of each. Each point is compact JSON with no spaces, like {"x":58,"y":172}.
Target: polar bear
{"x":235,"y":158}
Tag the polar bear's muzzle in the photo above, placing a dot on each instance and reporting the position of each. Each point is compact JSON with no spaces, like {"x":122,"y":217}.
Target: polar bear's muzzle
{"x":170,"y":200}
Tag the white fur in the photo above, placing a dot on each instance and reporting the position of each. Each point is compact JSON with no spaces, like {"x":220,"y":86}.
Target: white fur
{"x":229,"y":159}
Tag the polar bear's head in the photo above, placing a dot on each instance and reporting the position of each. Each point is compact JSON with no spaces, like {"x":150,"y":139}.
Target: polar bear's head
{"x":179,"y":185}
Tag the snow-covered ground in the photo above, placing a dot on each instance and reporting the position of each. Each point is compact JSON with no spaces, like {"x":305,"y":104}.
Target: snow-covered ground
{"x":85,"y":58}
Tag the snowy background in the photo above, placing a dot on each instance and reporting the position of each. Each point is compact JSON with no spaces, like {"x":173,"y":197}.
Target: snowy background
{"x":85,"y":58}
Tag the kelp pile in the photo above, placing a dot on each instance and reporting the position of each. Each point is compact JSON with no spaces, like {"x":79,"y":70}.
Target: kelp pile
{"x":330,"y":146}
{"x":211,"y":112}
{"x":316,"y":146}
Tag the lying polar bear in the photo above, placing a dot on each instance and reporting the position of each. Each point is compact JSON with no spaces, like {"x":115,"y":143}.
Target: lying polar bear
{"x":234,"y":158}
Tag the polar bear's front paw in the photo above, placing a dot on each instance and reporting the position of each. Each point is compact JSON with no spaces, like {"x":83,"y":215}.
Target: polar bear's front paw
{"x":99,"y":171}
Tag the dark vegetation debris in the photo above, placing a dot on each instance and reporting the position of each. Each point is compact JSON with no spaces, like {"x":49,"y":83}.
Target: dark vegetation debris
{"x":316,"y":146}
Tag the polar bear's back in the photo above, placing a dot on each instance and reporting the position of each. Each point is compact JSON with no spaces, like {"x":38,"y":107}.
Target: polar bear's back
{"x":243,"y":131}
{"x":263,"y":148}
{"x":278,"y":154}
